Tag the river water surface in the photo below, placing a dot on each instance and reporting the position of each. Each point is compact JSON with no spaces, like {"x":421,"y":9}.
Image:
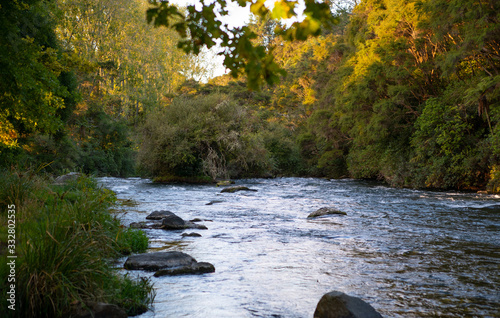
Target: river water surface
{"x":408,"y":253}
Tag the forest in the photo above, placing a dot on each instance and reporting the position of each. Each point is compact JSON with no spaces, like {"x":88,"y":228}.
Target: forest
{"x":403,"y":92}
{"x":406,"y":92}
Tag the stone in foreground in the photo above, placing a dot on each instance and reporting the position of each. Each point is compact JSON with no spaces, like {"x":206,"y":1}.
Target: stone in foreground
{"x":159,"y":260}
{"x":336,"y":304}
{"x":326,"y":211}
{"x":168,"y":263}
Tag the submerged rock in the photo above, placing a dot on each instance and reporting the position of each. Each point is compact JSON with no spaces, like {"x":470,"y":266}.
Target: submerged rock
{"x":214,"y":201}
{"x":190,"y":225}
{"x":326,"y":211}
{"x":235,"y":189}
{"x":193,"y":234}
{"x":158,"y":215}
{"x":199,"y":220}
{"x":168,"y":263}
{"x":336,"y":304}
{"x":145,"y":225}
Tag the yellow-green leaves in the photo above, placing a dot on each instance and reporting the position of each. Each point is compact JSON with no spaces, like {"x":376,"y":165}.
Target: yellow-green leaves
{"x":284,"y":10}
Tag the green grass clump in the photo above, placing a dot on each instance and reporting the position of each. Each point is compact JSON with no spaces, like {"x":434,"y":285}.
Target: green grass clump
{"x":134,"y":241}
{"x":134,"y":295}
{"x":65,"y":241}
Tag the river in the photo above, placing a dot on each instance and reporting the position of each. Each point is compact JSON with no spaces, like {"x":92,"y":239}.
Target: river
{"x":408,"y":253}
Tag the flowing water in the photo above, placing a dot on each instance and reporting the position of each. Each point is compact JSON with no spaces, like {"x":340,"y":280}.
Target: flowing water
{"x":408,"y":253}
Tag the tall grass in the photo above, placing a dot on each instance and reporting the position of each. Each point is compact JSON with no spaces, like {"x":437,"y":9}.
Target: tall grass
{"x":66,"y":239}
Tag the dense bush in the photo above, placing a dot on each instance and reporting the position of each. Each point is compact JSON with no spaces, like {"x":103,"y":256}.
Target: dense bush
{"x":408,"y":94}
{"x":215,"y":137}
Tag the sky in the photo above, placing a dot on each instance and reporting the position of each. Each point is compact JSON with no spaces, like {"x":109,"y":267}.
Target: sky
{"x":237,"y":17}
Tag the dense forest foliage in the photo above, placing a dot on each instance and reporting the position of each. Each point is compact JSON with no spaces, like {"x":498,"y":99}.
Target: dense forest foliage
{"x":76,"y":75}
{"x":401,"y":91}
{"x":407,"y":93}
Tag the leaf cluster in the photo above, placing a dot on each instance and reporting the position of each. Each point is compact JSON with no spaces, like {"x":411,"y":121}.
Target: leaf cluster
{"x":202,"y":27}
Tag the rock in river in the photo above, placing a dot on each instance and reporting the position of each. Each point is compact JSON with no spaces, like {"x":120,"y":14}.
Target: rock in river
{"x":173,"y":222}
{"x":191,"y":234}
{"x":235,"y":189}
{"x":158,"y":215}
{"x":166,"y":220}
{"x":168,"y":263}
{"x":326,"y":211}
{"x":336,"y":304}
{"x":198,"y":268}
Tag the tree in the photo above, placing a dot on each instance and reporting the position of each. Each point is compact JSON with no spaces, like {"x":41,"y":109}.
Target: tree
{"x":34,"y":74}
{"x":202,"y":27}
{"x":128,"y":65}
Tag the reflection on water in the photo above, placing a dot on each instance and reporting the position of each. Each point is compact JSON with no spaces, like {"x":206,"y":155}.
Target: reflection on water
{"x":408,"y":253}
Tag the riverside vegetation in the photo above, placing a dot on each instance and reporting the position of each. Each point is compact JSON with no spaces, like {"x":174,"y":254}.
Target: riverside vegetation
{"x":66,"y":241}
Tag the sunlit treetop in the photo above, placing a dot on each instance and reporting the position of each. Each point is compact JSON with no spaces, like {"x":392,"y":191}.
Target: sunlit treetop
{"x":203,"y":28}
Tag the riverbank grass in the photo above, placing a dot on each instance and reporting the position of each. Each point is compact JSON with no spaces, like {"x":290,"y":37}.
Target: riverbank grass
{"x":66,"y":240}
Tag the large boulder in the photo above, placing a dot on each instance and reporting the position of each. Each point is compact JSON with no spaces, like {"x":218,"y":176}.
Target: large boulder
{"x":173,"y":222}
{"x":159,"y":260}
{"x":168,"y":263}
{"x":336,"y":304}
{"x":158,"y":215}
{"x":326,"y":211}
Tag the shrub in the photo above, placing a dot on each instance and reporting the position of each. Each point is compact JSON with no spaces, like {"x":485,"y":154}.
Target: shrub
{"x":202,"y":136}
